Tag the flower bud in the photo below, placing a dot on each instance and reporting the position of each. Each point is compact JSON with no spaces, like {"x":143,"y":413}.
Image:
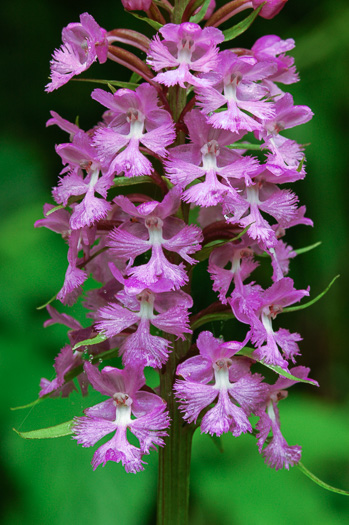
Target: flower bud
{"x":139,"y":5}
{"x":271,"y":8}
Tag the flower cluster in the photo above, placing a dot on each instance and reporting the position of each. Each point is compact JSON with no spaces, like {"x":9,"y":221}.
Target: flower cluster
{"x":143,"y":246}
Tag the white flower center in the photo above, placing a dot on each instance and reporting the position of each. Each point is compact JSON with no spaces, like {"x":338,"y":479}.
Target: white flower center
{"x":235,"y":263}
{"x":270,"y":411}
{"x":266,"y":320}
{"x":268,"y":313}
{"x":123,"y":415}
{"x":147,"y":304}
{"x":154,"y":225}
{"x":94,"y":178}
{"x":221,"y":373}
{"x":136,"y":120}
{"x":252,"y":194}
{"x":230,"y":83}
{"x":210,"y":152}
{"x":185,"y":50}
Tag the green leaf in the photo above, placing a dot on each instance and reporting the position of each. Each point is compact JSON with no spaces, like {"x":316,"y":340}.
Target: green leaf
{"x":299,"y":251}
{"x":309,"y":303}
{"x":299,"y":169}
{"x":116,"y":83}
{"x":200,"y":15}
{"x":241,"y":27}
{"x":31,"y":404}
{"x":247,"y":352}
{"x":48,"y":302}
{"x":245,"y":145}
{"x":204,"y":253}
{"x":152,"y":23}
{"x":59,"y":207}
{"x":219,"y":316}
{"x":167,"y":182}
{"x":93,"y":341}
{"x":319,"y":482}
{"x":196,"y":5}
{"x":63,"y":429}
{"x":135,"y":78}
{"x":131,"y":181}
{"x":306,"y":249}
{"x":283,"y":373}
{"x":112,"y":88}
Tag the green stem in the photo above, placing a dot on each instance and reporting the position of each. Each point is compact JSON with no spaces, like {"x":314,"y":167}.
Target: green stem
{"x":174,"y":457}
{"x":177,"y":101}
{"x":178,"y":10}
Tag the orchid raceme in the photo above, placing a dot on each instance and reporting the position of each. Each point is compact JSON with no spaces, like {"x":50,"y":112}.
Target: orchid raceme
{"x":167,"y":179}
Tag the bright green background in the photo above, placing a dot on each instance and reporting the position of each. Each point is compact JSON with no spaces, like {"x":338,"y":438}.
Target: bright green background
{"x":52,"y":481}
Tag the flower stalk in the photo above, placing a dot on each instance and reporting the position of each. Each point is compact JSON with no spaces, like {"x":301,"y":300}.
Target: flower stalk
{"x":174,"y":458}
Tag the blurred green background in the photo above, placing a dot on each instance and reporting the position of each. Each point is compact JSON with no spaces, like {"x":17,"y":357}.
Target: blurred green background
{"x":52,"y":481}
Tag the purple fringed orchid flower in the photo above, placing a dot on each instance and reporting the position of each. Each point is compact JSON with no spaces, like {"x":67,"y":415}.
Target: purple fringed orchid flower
{"x":245,"y":207}
{"x":258,"y":308}
{"x":206,"y":156}
{"x":136,"y":306}
{"x":240,"y":259}
{"x":83,"y":43}
{"x":285,"y":153}
{"x":128,"y":408}
{"x":216,"y":373}
{"x":69,"y":359}
{"x":155,"y":230}
{"x":272,"y":48}
{"x":185,"y":47}
{"x":235,"y":84}
{"x":134,"y":118}
{"x":78,"y":156}
{"x":278,"y":454}
{"x":74,"y":276}
{"x":65,"y":361}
